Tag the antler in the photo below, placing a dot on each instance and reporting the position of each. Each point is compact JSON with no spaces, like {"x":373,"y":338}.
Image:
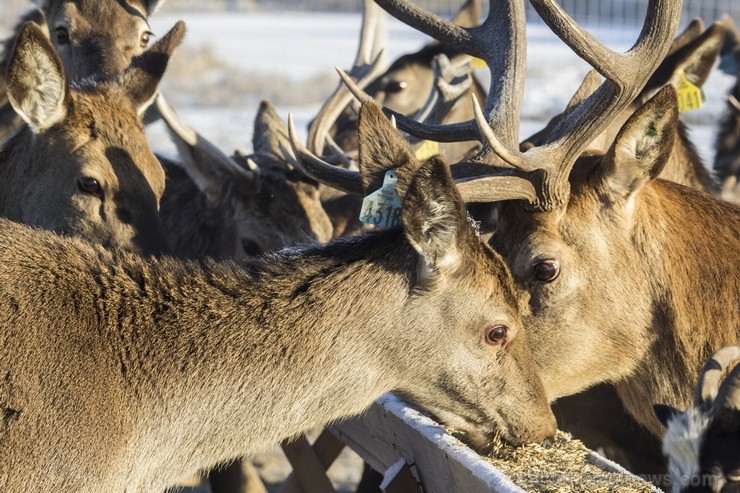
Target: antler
{"x":208,"y":155}
{"x":365,"y":69}
{"x":708,"y":386}
{"x":500,"y":42}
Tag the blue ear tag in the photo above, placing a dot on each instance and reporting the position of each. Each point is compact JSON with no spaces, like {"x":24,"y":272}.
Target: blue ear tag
{"x":383,"y":206}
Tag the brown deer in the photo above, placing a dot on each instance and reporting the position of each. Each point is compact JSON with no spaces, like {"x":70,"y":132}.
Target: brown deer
{"x":407,"y":83}
{"x":107,"y":381}
{"x":82,"y":165}
{"x":621,"y":271}
{"x":94,"y":38}
{"x":241,"y":206}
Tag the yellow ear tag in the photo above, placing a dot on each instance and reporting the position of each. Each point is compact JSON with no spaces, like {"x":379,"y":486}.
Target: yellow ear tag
{"x":479,"y":63}
{"x":427,"y":149}
{"x":383,"y":206}
{"x":690,"y":97}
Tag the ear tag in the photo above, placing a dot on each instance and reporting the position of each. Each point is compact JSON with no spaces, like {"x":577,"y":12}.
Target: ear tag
{"x":690,"y":97}
{"x":383,"y":206}
{"x":427,"y":149}
{"x":479,"y":63}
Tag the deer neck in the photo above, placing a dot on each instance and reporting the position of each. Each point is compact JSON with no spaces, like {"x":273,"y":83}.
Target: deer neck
{"x":291,"y":336}
{"x":678,"y":241}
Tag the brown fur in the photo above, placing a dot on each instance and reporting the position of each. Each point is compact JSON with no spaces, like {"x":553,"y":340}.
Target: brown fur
{"x":78,"y":132}
{"x":104,"y":36}
{"x":649,"y":269}
{"x":220,"y":218}
{"x":107,"y":379}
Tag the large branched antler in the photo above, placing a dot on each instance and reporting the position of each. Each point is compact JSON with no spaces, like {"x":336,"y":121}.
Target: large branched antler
{"x":366,"y":67}
{"x":540,"y":175}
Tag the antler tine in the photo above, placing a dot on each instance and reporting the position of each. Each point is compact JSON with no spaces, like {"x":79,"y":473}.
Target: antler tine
{"x":366,"y":67}
{"x":184,"y":134}
{"x":728,"y":396}
{"x":450,"y":83}
{"x":455,"y":132}
{"x":500,"y":41}
{"x":625,"y":73}
{"x":321,"y":171}
{"x":714,"y":368}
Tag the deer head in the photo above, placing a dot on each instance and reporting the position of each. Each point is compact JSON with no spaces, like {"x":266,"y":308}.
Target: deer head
{"x":83,"y":165}
{"x":98,"y":39}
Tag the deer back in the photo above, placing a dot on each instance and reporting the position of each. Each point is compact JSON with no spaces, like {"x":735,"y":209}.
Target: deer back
{"x":82,"y":164}
{"x":113,"y":359}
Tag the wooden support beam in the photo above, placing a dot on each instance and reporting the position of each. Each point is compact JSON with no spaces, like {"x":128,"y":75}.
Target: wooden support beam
{"x":309,"y":474}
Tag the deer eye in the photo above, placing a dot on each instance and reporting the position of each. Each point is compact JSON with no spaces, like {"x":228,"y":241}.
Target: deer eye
{"x":62,"y":35}
{"x":251,"y":248}
{"x":91,"y":186}
{"x":396,"y":86}
{"x":145,"y":37}
{"x":547,"y":270}
{"x":496,"y":335}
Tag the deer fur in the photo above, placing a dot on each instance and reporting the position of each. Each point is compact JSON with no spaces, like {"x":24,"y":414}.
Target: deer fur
{"x":95,"y":39}
{"x":81,"y":132}
{"x":108,"y":384}
{"x":648,"y":269}
{"x":216,"y":215}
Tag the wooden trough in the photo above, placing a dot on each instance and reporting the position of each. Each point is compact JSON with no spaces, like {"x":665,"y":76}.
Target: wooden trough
{"x":416,"y":454}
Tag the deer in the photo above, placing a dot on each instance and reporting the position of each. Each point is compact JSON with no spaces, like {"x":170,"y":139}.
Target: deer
{"x":81,"y":164}
{"x":108,"y":347}
{"x":593,"y":238}
{"x":237,"y":206}
{"x":701,"y":442}
{"x":691,"y":57}
{"x":94,"y":39}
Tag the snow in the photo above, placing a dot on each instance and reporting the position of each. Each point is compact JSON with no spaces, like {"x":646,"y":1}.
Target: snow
{"x":303,"y":46}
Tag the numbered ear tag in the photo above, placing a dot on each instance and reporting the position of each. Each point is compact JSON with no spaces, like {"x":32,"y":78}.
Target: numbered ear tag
{"x":690,"y":97}
{"x":427,"y":149}
{"x":383,"y":206}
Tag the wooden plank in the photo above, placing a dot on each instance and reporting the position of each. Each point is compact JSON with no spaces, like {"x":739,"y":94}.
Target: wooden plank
{"x":307,"y":468}
{"x":327,"y":448}
{"x":390,"y":430}
{"x":399,"y":479}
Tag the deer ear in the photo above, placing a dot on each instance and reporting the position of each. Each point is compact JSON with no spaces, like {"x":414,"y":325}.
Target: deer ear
{"x":692,"y":59}
{"x":141,"y":79}
{"x":434,"y":217}
{"x":270,"y":131}
{"x":37,"y":85}
{"x":642,"y":147}
{"x":665,"y":413}
{"x":382,"y":148}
